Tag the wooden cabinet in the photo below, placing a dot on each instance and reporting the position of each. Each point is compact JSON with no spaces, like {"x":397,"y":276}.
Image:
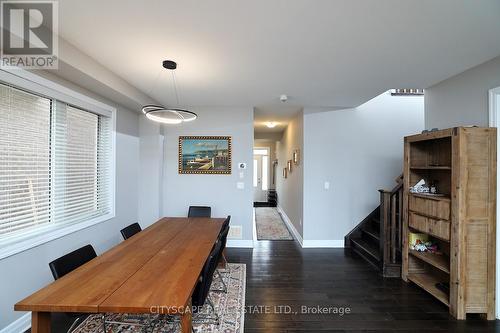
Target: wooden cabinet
{"x":461,"y":162}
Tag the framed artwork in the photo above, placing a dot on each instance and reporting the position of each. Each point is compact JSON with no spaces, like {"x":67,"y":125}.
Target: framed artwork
{"x":285,"y":173}
{"x":205,"y":154}
{"x":289,"y":165}
{"x":295,"y":157}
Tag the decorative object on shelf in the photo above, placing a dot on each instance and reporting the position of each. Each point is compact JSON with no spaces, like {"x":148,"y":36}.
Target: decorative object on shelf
{"x":420,"y":187}
{"x":416,"y":238}
{"x":285,"y":173}
{"x":168,"y":115}
{"x":289,"y":165}
{"x":295,"y":157}
{"x":433,"y":188}
{"x":205,"y":155}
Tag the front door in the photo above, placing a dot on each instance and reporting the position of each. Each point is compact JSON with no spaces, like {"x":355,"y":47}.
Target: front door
{"x":260,"y":174}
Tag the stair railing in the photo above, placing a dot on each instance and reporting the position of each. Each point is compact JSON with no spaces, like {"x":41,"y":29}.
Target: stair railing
{"x":391,"y":213}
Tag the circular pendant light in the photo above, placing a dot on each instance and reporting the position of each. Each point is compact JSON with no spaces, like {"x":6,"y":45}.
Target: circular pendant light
{"x":167,"y":115}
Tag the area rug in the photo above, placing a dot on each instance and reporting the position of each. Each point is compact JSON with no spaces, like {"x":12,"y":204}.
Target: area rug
{"x":230,"y":307}
{"x":270,"y":225}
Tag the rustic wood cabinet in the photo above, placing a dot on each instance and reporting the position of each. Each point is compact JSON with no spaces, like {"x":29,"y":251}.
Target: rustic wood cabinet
{"x":460,"y":218}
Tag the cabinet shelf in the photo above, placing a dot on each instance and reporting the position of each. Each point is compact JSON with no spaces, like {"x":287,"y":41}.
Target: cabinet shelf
{"x":431,"y":167}
{"x":440,"y":261}
{"x":428,"y":283}
{"x":431,"y":196}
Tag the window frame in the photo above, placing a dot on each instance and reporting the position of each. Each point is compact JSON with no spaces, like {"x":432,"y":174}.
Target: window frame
{"x":39,"y":85}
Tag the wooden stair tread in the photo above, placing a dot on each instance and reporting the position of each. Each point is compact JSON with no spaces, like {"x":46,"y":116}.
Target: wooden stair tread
{"x":368,"y":248}
{"x":372,"y":232}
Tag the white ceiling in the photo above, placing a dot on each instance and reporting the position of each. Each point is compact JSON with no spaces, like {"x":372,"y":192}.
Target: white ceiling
{"x":322,"y":53}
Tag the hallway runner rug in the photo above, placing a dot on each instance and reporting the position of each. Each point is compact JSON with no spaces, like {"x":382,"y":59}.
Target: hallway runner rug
{"x":230,"y":307}
{"x":270,"y":225}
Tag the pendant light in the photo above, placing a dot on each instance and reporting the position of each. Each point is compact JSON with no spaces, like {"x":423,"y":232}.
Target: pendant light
{"x":167,"y":115}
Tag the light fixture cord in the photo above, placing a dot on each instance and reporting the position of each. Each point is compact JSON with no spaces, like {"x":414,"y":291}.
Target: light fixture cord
{"x":154,"y":84}
{"x":175,"y":87}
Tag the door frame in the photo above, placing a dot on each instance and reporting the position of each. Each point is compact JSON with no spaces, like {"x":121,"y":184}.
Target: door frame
{"x":268,"y":149}
{"x":494,"y":121}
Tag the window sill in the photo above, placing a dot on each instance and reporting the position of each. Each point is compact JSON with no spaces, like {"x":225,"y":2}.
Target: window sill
{"x":27,"y":244}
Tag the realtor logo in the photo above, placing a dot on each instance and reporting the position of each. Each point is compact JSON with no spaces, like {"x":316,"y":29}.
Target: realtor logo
{"x":29,"y":34}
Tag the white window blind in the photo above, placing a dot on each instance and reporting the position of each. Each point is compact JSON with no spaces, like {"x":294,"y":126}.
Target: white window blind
{"x":24,"y":160}
{"x":55,"y":165}
{"x":80,"y":168}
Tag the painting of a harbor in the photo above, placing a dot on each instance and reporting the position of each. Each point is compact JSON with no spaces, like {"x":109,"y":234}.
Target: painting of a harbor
{"x":205,"y":154}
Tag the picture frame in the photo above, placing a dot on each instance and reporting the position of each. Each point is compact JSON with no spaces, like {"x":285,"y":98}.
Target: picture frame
{"x":295,"y":157}
{"x":205,"y":155}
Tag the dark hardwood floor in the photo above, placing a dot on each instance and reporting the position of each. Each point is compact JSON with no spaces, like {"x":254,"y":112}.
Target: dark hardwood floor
{"x":281,"y":273}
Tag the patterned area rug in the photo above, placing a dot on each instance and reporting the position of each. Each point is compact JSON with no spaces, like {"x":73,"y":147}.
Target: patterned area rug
{"x":269,"y":225}
{"x":230,"y":307}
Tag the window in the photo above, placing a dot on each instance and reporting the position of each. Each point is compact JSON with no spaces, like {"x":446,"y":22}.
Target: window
{"x":55,"y":165}
{"x":265,"y":167}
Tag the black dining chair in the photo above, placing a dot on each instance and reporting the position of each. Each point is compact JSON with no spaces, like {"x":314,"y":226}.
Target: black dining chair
{"x":221,"y":242}
{"x":130,"y":230}
{"x":67,"y":263}
{"x":200,"y":211}
{"x":71,"y":261}
{"x":201,"y":292}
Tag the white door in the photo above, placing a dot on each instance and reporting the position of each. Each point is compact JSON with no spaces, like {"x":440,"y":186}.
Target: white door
{"x":260,"y":174}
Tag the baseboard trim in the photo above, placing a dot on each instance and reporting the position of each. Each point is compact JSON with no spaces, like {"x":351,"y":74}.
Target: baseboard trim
{"x":320,"y":243}
{"x":243,"y":243}
{"x":20,"y":325}
{"x":290,"y":225}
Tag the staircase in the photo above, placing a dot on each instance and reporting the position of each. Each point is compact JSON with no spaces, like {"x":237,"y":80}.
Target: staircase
{"x":377,"y":239}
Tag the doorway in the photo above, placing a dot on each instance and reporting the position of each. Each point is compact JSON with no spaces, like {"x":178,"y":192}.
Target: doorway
{"x":261,"y":168}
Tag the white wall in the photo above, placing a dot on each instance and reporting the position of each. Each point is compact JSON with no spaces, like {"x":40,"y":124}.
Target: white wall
{"x":218,"y":191}
{"x":462,"y":99}
{"x":150,"y":171}
{"x":28,"y":271}
{"x":290,"y":190}
{"x":358,"y":151}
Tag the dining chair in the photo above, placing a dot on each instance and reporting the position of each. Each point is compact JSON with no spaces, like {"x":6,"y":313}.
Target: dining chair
{"x":200,"y":211}
{"x":221,"y":241}
{"x":67,"y":263}
{"x":201,"y":292}
{"x":130,"y":230}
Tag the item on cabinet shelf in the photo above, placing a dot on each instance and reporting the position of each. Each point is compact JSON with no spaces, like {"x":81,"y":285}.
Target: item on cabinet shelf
{"x":416,"y":238}
{"x":433,"y":188}
{"x":419,"y":187}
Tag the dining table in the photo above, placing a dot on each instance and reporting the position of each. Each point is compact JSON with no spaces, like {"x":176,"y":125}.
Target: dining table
{"x":153,"y":272}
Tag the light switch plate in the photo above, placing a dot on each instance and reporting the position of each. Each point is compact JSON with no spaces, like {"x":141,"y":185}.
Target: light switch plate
{"x":327,"y":185}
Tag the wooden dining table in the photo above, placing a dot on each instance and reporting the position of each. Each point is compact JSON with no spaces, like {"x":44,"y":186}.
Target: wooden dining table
{"x":155,"y":271}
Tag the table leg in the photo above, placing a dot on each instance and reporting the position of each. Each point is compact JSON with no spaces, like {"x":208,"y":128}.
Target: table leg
{"x":187,"y":320}
{"x":40,"y":322}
